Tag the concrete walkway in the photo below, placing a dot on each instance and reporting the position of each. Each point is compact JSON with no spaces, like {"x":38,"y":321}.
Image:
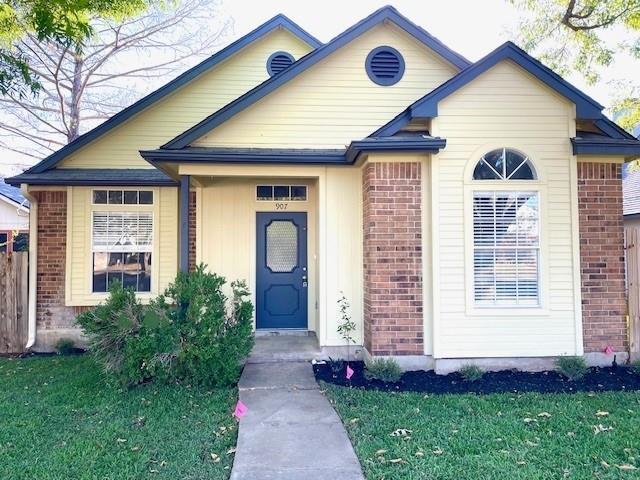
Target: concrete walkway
{"x":290,"y":431}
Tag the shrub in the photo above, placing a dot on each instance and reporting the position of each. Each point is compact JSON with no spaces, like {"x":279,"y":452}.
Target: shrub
{"x":385,"y":369}
{"x":574,"y":368}
{"x":337,"y":366}
{"x":188,"y":334}
{"x":471,"y":373}
{"x":65,"y":346}
{"x":635,"y":367}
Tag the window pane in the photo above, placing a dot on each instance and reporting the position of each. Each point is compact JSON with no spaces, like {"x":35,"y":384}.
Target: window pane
{"x":298,"y":192}
{"x":21,"y":242}
{"x":146,"y":197}
{"x":114,"y":268}
{"x":514,"y":160}
{"x":484,"y":172}
{"x":131,"y":197}
{"x":523,"y":173}
{"x":282,"y":246}
{"x":100,"y":197}
{"x":495,"y":158}
{"x":100,"y":272}
{"x":144,"y":277}
{"x":281,"y":192}
{"x":264,"y":192}
{"x":115,"y":197}
{"x":506,"y":248}
{"x":131,"y":269}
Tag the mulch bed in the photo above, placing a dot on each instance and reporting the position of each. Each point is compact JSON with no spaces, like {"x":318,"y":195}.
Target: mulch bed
{"x":509,"y":381}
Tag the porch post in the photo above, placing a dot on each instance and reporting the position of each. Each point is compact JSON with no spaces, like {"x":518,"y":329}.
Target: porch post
{"x":184,"y":222}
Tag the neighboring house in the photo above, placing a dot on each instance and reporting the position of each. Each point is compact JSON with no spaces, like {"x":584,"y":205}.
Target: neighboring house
{"x":468,"y":211}
{"x":14,"y":218}
{"x":631,"y":195}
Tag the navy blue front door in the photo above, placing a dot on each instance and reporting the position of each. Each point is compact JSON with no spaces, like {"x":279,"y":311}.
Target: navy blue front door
{"x":281,"y":270}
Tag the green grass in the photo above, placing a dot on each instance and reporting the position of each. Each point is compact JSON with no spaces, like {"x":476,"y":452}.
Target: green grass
{"x":505,"y":436}
{"x":60,"y":420}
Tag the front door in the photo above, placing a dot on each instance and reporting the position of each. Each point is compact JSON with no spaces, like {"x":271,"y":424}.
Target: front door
{"x":281,"y":270}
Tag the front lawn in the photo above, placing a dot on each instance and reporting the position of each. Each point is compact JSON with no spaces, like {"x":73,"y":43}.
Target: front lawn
{"x":60,"y":420}
{"x":500,"y":436}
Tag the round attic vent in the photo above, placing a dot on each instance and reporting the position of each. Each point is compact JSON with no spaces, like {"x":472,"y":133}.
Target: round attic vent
{"x":385,"y":66}
{"x":278,"y":61}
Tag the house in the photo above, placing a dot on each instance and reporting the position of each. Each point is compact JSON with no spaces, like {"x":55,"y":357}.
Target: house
{"x":469,"y":212}
{"x":14,"y":219}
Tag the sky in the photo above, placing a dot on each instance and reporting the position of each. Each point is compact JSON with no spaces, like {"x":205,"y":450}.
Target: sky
{"x":473,"y":28}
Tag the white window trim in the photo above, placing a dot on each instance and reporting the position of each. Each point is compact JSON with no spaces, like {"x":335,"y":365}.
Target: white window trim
{"x":471,"y":186}
{"x":155,"y":209}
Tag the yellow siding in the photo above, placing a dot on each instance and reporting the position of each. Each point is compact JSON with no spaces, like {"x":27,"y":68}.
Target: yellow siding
{"x":186,"y":107}
{"x":334,"y":101}
{"x":79,"y":256}
{"x":226,"y":233}
{"x":505,"y":107}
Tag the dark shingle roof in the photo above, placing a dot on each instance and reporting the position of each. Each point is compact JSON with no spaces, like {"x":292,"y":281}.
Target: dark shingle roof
{"x":95,"y":176}
{"x":12,"y":193}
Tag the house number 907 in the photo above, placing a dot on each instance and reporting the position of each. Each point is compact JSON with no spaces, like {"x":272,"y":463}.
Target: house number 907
{"x":282,"y":206}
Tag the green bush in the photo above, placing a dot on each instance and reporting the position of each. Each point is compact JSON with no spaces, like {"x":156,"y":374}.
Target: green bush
{"x":188,"y":334}
{"x":65,"y":346}
{"x":574,"y":368}
{"x":471,"y":373}
{"x":385,"y":369}
{"x":635,"y":367}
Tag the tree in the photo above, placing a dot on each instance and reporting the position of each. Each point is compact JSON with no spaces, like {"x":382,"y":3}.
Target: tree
{"x":575,"y":35}
{"x":67,"y":22}
{"x":121,"y":60}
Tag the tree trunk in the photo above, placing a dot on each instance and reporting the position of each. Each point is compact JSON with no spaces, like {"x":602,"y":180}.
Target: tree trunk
{"x":76,"y":98}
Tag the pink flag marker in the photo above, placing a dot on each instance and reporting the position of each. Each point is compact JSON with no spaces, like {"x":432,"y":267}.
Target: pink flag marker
{"x":349,"y":372}
{"x":608,"y":350}
{"x":240,"y":411}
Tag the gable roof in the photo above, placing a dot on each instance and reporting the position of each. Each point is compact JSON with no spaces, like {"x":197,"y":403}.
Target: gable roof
{"x":427,"y":106}
{"x":279,"y":21}
{"x":13,"y":194}
{"x":386,"y":13}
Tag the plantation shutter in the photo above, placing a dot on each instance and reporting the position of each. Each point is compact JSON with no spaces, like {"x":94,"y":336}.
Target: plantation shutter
{"x":122,"y":231}
{"x":506,"y":248}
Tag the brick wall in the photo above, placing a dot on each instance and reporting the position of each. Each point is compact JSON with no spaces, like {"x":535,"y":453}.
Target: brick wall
{"x":52,"y":243}
{"x":192,"y":231}
{"x":393,"y":321}
{"x":602,"y":256}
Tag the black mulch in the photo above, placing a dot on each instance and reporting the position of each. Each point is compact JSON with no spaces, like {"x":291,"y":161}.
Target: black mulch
{"x":597,"y":380}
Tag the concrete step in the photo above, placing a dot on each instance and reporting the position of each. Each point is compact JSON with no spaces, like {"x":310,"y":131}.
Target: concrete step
{"x":285,"y":347}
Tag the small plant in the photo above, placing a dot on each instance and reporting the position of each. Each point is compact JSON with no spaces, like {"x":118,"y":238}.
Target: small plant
{"x":65,"y":346}
{"x":337,"y":366}
{"x":574,"y":368}
{"x":635,"y":367}
{"x":385,"y":369}
{"x":471,"y":373}
{"x":347,"y":326}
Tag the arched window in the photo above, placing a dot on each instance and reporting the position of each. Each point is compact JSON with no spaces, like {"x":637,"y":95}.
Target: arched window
{"x":506,"y":232}
{"x":504,"y":164}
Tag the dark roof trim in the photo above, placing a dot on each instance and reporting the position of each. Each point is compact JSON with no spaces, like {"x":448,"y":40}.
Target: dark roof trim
{"x":631,"y":216}
{"x":294,"y":156}
{"x":248,"y":155}
{"x":279,"y":21}
{"x":386,"y":13}
{"x":600,"y":147}
{"x":612,"y":129}
{"x":427,"y":106}
{"x":95,"y":177}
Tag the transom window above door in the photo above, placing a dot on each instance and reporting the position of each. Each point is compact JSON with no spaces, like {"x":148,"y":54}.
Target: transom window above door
{"x":285,"y":193}
{"x":504,"y":164}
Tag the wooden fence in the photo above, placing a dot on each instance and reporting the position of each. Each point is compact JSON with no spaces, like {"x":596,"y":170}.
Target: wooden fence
{"x":14,"y":275}
{"x":632,"y":253}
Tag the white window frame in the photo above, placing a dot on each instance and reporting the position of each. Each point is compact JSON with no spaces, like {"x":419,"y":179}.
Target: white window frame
{"x":538,"y":186}
{"x":124,"y":208}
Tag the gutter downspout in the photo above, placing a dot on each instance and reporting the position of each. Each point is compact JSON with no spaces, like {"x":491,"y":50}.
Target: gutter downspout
{"x":33,"y":263}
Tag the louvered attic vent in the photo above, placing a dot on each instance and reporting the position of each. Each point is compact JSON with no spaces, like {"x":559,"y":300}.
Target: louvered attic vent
{"x":278,"y":61}
{"x":385,"y":66}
